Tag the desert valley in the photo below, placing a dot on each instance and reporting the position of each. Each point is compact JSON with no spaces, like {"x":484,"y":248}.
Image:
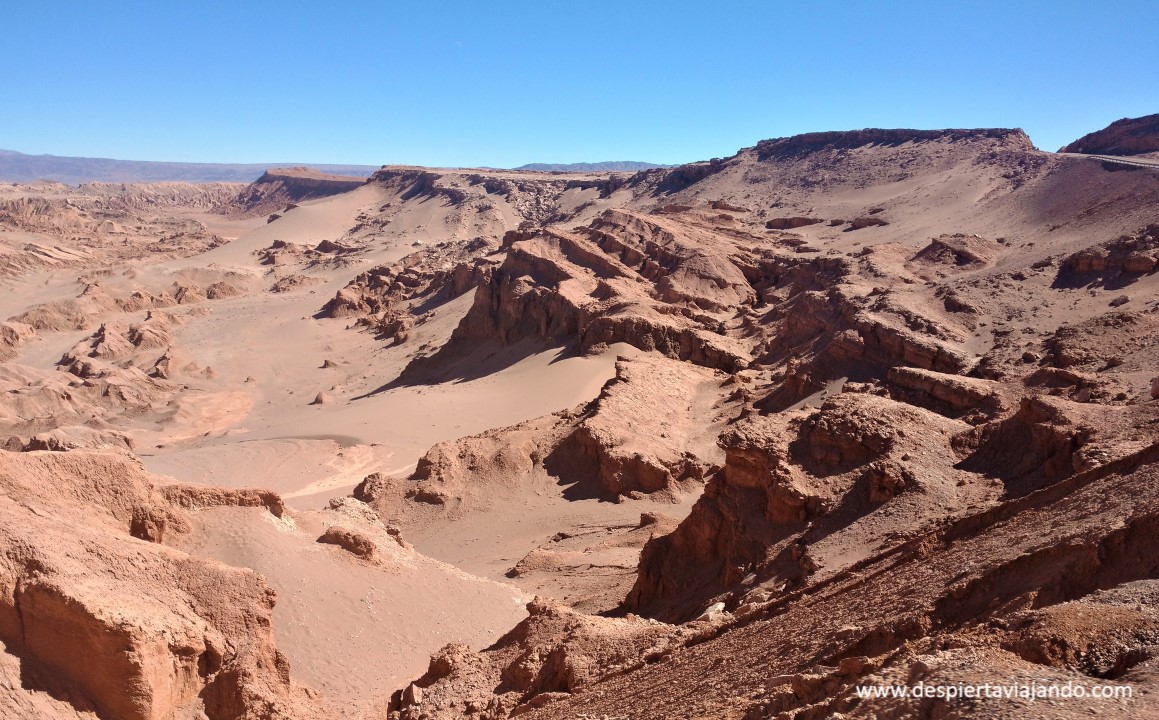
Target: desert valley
{"x":727,"y":439}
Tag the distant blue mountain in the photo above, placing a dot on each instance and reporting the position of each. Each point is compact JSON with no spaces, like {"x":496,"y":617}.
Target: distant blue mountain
{"x":18,"y":167}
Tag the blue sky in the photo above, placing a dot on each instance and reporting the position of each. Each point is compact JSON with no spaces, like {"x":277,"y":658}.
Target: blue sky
{"x":505,"y":83}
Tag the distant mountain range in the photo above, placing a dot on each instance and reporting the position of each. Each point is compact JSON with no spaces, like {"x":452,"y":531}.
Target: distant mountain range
{"x":22,"y":168}
{"x":610,"y":166}
{"x":18,"y":167}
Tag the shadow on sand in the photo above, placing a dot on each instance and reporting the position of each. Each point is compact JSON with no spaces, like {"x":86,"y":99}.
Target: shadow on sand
{"x":469,"y":361}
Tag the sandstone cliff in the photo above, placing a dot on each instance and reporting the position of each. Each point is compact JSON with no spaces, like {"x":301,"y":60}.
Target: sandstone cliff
{"x":96,"y":608}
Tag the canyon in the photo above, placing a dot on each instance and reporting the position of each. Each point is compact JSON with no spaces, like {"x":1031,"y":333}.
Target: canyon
{"x":728,"y":439}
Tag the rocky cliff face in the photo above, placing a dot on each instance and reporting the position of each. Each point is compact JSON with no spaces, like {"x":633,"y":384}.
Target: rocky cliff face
{"x":279,"y":187}
{"x":553,"y":653}
{"x":387,"y":299}
{"x":1129,"y":136}
{"x":97,"y":608}
{"x":784,"y":481}
{"x":624,"y":278}
{"x":983,"y":589}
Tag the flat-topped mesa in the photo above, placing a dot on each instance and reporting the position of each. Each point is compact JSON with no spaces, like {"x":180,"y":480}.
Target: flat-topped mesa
{"x":305,"y":178}
{"x":278,"y":187}
{"x":1129,"y":136}
{"x":798,"y":145}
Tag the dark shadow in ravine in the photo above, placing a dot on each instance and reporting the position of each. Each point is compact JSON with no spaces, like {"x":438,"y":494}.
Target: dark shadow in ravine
{"x":468,"y":361}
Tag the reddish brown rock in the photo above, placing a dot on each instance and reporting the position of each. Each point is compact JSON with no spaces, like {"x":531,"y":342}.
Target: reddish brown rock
{"x":959,"y":393}
{"x":351,"y":541}
{"x":195,"y":497}
{"x":12,"y":335}
{"x":591,"y":286}
{"x":1133,"y":254}
{"x":551,"y":654}
{"x":134,"y":629}
{"x":790,"y":223}
{"x":864,"y":222}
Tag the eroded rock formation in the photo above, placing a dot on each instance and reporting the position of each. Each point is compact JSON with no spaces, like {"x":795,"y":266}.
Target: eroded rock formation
{"x":96,"y":608}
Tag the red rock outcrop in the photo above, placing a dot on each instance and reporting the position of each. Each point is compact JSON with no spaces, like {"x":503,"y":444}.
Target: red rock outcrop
{"x":1117,"y":262}
{"x":1086,"y":349}
{"x":647,"y":453}
{"x":783,"y":477}
{"x":1026,"y":589}
{"x":624,"y":278}
{"x":135,"y":630}
{"x":93,"y":394}
{"x":118,"y":341}
{"x":195,"y":497}
{"x":429,"y":276}
{"x":848,"y":335}
{"x":861,"y":223}
{"x":351,"y":541}
{"x":12,"y":335}
{"x":554,"y":652}
{"x":960,"y":394}
{"x":534,"y":198}
{"x":95,"y":302}
{"x":955,"y":253}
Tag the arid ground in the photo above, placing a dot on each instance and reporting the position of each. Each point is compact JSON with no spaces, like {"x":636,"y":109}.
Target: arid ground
{"x":723,"y":440}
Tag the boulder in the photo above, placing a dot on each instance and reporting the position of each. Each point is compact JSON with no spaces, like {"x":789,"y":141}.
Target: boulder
{"x":789,"y":223}
{"x":196,"y":497}
{"x":351,"y":541}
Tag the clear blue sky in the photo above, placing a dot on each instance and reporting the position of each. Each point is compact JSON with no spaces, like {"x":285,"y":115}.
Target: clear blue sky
{"x":504,"y":83}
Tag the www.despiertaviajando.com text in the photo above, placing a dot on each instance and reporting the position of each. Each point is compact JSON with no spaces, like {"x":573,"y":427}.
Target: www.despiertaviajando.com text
{"x":997,"y":691}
